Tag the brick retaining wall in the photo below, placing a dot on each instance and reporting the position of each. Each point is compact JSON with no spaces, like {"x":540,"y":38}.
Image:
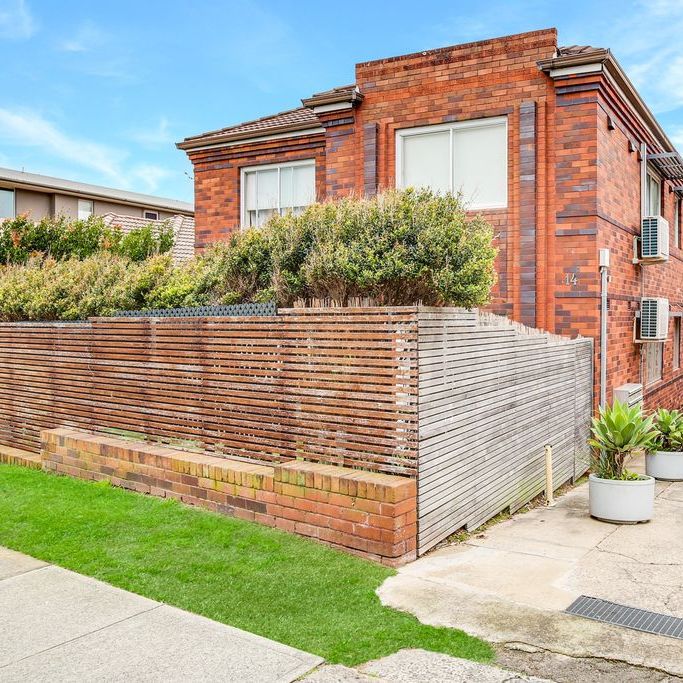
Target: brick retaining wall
{"x":367,"y":513}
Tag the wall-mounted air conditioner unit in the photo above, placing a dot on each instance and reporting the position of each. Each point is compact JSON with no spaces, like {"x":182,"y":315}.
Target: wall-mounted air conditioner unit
{"x":654,"y":320}
{"x":654,"y":240}
{"x":630,"y":394}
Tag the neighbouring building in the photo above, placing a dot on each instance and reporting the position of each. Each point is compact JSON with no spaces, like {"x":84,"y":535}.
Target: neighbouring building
{"x":553,"y":145}
{"x":40,"y":196}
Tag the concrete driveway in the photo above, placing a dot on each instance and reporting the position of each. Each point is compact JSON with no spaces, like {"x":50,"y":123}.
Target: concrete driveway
{"x":510,"y":584}
{"x":59,"y":626}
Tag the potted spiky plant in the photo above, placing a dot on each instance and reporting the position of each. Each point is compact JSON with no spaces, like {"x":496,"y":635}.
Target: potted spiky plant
{"x":665,"y":461}
{"x":616,"y":494}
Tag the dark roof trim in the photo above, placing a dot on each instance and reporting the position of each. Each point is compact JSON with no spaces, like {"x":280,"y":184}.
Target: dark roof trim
{"x":42,"y":183}
{"x":613,"y":69}
{"x":290,"y":121}
{"x":194,"y":143}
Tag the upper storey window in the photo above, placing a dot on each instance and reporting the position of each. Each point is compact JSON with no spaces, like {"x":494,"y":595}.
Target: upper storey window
{"x":468,"y":157}
{"x":276,"y":188}
{"x":653,"y":196}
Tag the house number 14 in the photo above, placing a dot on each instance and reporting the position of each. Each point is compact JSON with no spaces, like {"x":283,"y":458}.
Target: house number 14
{"x":570,"y":279}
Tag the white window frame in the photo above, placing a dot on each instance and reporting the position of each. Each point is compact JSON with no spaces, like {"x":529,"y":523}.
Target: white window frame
{"x":149,"y":218}
{"x":14,"y":203}
{"x":676,"y":364}
{"x":265,"y":167}
{"x":78,"y":209}
{"x":403,"y":133}
{"x":677,"y":221}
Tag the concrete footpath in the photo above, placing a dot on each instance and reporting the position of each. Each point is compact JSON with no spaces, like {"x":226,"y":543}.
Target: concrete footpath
{"x":59,"y":626}
{"x":511,"y":583}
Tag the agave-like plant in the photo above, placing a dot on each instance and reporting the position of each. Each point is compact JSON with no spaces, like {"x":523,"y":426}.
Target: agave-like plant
{"x":669,"y":430}
{"x":618,"y":432}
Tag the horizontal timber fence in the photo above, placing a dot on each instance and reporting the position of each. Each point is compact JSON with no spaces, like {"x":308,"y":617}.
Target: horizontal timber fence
{"x":461,"y":401}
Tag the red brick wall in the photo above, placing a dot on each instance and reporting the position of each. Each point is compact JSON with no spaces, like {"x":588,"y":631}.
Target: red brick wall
{"x":582,"y":194}
{"x":369,"y":514}
{"x":475,"y":80}
{"x":484,"y":79}
{"x":217,"y":180}
{"x":619,"y":221}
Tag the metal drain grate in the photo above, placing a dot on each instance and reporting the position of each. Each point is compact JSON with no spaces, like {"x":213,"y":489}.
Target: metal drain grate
{"x":628,"y":617}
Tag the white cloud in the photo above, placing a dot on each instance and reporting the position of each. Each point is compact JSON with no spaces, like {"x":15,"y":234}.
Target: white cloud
{"x":647,"y":41}
{"x":87,"y":37}
{"x":156,"y":136}
{"x":16,"y":20}
{"x":148,"y":177}
{"x":30,"y":129}
{"x":676,"y":136}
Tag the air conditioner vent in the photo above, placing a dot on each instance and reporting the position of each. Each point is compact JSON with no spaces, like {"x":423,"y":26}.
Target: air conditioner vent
{"x":654,"y":319}
{"x":630,"y":394}
{"x":654,"y":239}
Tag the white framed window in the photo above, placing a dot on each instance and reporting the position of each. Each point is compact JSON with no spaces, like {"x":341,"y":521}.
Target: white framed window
{"x":7,"y":205}
{"x":470,"y":157}
{"x":653,"y":362}
{"x":86,"y":208}
{"x":151,"y":215}
{"x":677,"y":344}
{"x":653,"y":195}
{"x":677,"y":221}
{"x":276,"y":188}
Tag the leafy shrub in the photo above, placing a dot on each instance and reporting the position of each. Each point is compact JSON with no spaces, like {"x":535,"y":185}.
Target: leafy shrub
{"x":398,"y":248}
{"x":60,"y":238}
{"x":401,"y":247}
{"x":618,"y":432}
{"x":73,"y":289}
{"x":668,"y":430}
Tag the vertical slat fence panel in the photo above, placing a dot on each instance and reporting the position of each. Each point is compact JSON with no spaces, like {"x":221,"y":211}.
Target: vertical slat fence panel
{"x":491,"y":395}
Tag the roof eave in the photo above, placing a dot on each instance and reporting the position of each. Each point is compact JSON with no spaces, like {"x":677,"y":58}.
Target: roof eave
{"x":193,"y":143}
{"x":353,"y":97}
{"x":618,"y":75}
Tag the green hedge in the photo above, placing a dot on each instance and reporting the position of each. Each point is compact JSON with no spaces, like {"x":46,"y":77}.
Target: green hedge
{"x":22,"y":239}
{"x":399,"y":248}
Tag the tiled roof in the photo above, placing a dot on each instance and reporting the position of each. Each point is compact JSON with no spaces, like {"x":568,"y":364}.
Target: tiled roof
{"x":183,"y":230}
{"x":301,"y":117}
{"x":345,"y":93}
{"x":347,"y":90}
{"x":573,"y":50}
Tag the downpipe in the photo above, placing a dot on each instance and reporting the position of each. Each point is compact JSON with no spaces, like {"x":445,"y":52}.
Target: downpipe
{"x":604,"y":278}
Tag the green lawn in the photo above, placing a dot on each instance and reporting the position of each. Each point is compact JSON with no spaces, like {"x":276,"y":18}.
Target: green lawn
{"x":262,"y":580}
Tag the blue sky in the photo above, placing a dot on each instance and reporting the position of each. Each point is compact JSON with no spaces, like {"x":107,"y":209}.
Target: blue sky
{"x":99,"y":92}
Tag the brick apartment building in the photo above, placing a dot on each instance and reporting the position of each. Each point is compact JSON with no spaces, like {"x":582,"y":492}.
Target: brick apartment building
{"x":553,"y":145}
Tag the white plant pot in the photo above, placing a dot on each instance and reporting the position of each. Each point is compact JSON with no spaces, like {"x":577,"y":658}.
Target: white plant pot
{"x":621,"y":502}
{"x":666,"y":465}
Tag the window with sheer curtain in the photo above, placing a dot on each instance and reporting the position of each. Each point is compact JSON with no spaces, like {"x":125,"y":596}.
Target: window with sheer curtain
{"x":468,"y":157}
{"x":86,"y":208}
{"x":276,"y":188}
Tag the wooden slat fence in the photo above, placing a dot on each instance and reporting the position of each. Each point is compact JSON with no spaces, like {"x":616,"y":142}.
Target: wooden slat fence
{"x":463,"y":401}
{"x":491,"y":395}
{"x":329,"y":385}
